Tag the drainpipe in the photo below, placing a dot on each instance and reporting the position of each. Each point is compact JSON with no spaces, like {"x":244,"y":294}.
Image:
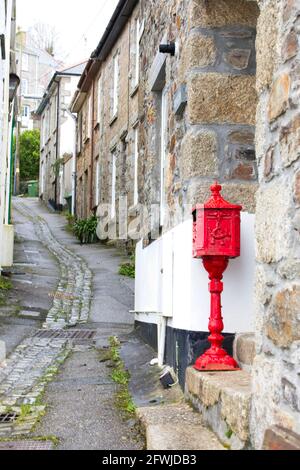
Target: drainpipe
{"x":5,"y":140}
{"x":92,"y":147}
{"x":57,"y":139}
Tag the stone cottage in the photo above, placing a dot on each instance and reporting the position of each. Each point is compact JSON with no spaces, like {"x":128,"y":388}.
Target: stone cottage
{"x":217,"y":97}
{"x":106,"y":104}
{"x":58,"y":127}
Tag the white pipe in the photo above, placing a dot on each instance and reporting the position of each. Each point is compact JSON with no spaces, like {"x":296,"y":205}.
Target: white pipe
{"x":3,"y":156}
{"x":161,"y":330}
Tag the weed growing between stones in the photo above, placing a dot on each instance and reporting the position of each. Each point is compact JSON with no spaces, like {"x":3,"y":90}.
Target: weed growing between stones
{"x":119,"y":374}
{"x":5,"y":286}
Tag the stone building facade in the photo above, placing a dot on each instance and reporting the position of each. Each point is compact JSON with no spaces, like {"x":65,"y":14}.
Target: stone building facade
{"x":106,"y":104}
{"x":57,"y":126}
{"x":35,"y":68}
{"x":220,"y":102}
{"x":208,"y":88}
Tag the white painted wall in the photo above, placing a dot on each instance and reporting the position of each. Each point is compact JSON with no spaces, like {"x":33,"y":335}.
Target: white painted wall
{"x":181,"y":290}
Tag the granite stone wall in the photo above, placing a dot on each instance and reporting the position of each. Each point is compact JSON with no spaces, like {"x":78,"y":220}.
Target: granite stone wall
{"x":276,"y":381}
{"x":211,"y":100}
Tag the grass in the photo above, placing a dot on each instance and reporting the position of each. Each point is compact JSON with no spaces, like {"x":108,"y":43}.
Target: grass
{"x":121,"y":376}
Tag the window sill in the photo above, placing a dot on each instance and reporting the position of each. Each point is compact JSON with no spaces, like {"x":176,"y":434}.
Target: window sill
{"x":113,"y":119}
{"x":134,"y":91}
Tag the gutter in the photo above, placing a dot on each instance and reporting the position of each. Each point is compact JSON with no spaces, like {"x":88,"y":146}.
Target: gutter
{"x":117,"y":22}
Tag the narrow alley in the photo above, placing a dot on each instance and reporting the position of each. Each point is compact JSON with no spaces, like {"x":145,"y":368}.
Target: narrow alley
{"x":150,"y":228}
{"x":80,"y":410}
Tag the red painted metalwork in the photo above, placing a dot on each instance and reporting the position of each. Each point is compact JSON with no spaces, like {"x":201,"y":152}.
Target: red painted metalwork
{"x":216,"y":239}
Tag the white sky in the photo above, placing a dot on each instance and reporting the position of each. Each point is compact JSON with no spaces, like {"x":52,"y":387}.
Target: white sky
{"x":79,"y":24}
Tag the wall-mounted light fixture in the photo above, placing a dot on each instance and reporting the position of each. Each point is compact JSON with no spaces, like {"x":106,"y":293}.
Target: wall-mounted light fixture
{"x":14,"y":82}
{"x":168,"y":48}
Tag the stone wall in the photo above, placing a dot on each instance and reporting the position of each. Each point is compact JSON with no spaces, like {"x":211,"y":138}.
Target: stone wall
{"x":276,"y":383}
{"x":211,"y":132}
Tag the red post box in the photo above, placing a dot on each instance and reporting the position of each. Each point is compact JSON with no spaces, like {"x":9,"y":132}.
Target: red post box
{"x":216,"y":239}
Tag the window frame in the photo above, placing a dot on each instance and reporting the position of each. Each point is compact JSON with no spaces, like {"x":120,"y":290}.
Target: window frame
{"x":115,"y":95}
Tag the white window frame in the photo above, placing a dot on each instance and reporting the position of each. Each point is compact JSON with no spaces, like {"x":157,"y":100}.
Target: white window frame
{"x":163,"y":130}
{"x":115,"y":106}
{"x":26,"y":107}
{"x":136,"y":166}
{"x":113,"y":184}
{"x":99,"y":108}
{"x":24,"y":86}
{"x":25,"y":62}
{"x":137,"y":52}
{"x":90,"y":117}
{"x":97,"y":185}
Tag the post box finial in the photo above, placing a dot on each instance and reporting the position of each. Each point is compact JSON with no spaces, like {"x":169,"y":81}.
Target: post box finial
{"x":216,"y":188}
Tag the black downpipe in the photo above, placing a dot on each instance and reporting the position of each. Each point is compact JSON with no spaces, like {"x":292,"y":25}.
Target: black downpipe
{"x":57,"y":140}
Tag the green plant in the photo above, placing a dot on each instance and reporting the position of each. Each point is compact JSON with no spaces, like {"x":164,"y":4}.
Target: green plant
{"x":5,"y":284}
{"x":56,"y":166}
{"x":85,"y":229}
{"x":121,"y":376}
{"x":128,"y":269}
{"x":29,"y":155}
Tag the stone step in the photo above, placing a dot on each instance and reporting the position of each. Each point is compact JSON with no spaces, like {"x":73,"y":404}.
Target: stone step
{"x":223,"y":400}
{"x":176,"y":427}
{"x":244,"y":350}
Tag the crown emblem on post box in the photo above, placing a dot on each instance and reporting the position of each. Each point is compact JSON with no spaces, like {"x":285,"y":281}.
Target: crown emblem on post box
{"x":216,"y":239}
{"x":216,"y":227}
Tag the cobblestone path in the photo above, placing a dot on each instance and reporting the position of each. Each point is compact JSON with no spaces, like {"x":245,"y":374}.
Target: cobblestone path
{"x":71,"y":304}
{"x":36,"y":360}
{"x":22,"y":382}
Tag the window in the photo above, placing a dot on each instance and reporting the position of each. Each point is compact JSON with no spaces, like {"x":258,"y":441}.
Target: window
{"x":24,"y":86}
{"x":25,"y":62}
{"x":136,"y":167}
{"x":25,"y":111}
{"x":97,"y":183}
{"x":137,"y":52}
{"x":53,"y":113}
{"x":79,"y":133}
{"x":116,"y":85}
{"x":99,"y":105}
{"x":89,"y":117}
{"x":113,"y":184}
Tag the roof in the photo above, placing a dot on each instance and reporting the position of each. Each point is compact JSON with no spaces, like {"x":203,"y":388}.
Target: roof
{"x":112,"y":32}
{"x":75,"y":69}
{"x":72,"y":71}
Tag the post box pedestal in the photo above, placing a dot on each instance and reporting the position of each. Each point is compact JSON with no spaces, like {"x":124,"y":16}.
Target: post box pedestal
{"x":216,"y":358}
{"x":216,"y":239}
